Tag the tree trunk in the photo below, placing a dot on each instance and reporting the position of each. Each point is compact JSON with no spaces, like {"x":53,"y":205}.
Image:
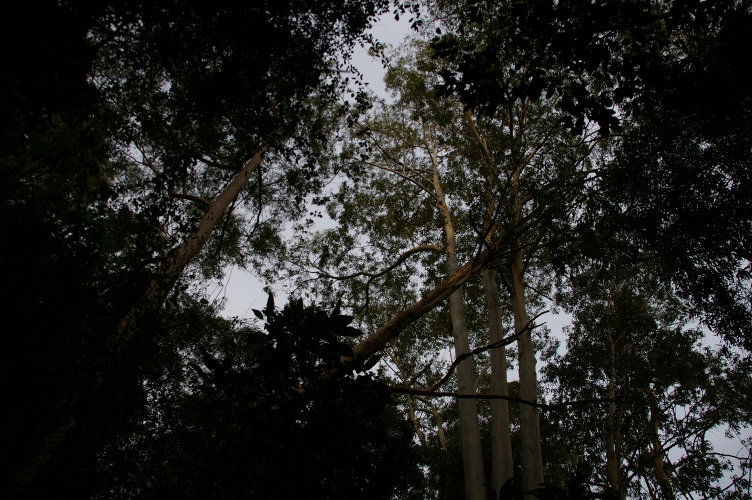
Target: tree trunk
{"x":664,"y":481}
{"x":613,"y":433}
{"x":532,"y":456}
{"x":439,"y":424}
{"x":181,"y":256}
{"x":472,"y":452}
{"x":414,"y":420}
{"x":48,"y":441}
{"x":378,"y":340}
{"x":501,"y":440}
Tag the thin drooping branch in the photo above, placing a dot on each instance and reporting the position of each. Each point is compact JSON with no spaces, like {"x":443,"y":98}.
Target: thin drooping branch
{"x":496,"y":345}
{"x":191,"y":197}
{"x":400,"y":259}
{"x":404,"y":168}
{"x":542,"y":406}
{"x":415,"y":377}
{"x":402,"y":175}
{"x":376,"y":275}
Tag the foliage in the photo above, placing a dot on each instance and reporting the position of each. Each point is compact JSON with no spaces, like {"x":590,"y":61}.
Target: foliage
{"x":122,"y":121}
{"x":233,"y":411}
{"x":597,"y":57}
{"x":678,"y":188}
{"x":630,"y":343}
{"x":251,"y":420}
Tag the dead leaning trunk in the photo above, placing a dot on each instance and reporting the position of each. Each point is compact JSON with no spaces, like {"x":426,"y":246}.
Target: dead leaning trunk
{"x":46,"y":444}
{"x":501,"y":440}
{"x":181,"y":256}
{"x":532,"y":456}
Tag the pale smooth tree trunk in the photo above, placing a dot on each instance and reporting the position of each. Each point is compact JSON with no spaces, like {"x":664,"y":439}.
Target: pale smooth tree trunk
{"x":414,"y":419}
{"x":181,"y":256}
{"x":532,"y":456}
{"x":501,"y":440}
{"x":472,"y":452}
{"x":664,"y":481}
{"x":439,"y":424}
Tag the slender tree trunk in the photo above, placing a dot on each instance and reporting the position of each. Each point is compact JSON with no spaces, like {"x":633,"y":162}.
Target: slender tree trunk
{"x":613,"y":433}
{"x":439,"y":424}
{"x":532,"y":456}
{"x":472,"y":452}
{"x":664,"y":481}
{"x":501,"y":440}
{"x":48,"y":442}
{"x":414,"y":420}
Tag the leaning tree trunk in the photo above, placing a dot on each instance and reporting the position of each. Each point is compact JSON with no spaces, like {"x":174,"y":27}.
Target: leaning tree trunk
{"x":501,"y":440}
{"x":181,"y":256}
{"x":45,"y":444}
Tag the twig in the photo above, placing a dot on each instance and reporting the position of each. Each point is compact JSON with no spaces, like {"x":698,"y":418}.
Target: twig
{"x":501,"y":343}
{"x":542,"y":406}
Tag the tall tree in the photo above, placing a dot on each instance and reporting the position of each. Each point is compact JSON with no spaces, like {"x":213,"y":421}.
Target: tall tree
{"x":630,"y":343}
{"x":515,"y":175}
{"x":144,"y":116}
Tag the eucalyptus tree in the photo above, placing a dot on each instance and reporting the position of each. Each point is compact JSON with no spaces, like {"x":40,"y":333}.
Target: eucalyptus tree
{"x":631,"y":343}
{"x":669,"y":66}
{"x":141,"y":128}
{"x":427,"y":178}
{"x":408,"y":202}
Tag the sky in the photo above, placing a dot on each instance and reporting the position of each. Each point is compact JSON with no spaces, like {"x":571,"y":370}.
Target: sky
{"x":242,"y":292}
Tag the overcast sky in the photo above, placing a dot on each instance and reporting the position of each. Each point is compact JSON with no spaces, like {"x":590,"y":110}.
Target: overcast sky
{"x":242,"y":291}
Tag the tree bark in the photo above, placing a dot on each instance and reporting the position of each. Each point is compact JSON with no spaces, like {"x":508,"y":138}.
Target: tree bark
{"x":532,"y":456}
{"x":501,"y":441}
{"x":378,"y":340}
{"x":472,"y":452}
{"x":664,"y":481}
{"x":613,"y":433}
{"x":413,"y":418}
{"x":47,"y":443}
{"x":439,"y":423}
{"x":180,"y":257}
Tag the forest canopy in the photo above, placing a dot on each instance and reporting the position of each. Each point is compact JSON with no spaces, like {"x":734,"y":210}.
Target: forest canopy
{"x":590,"y":158}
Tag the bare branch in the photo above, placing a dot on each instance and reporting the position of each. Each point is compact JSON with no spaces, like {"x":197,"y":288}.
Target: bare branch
{"x":542,"y":406}
{"x":400,"y":259}
{"x":501,"y":343}
{"x":191,"y":197}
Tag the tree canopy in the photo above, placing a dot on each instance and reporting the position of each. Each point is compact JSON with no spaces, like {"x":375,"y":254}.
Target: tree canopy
{"x":590,"y":157}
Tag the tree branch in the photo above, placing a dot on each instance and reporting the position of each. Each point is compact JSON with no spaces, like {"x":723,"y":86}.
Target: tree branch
{"x":191,"y":197}
{"x":542,"y":406}
{"x":501,"y":343}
